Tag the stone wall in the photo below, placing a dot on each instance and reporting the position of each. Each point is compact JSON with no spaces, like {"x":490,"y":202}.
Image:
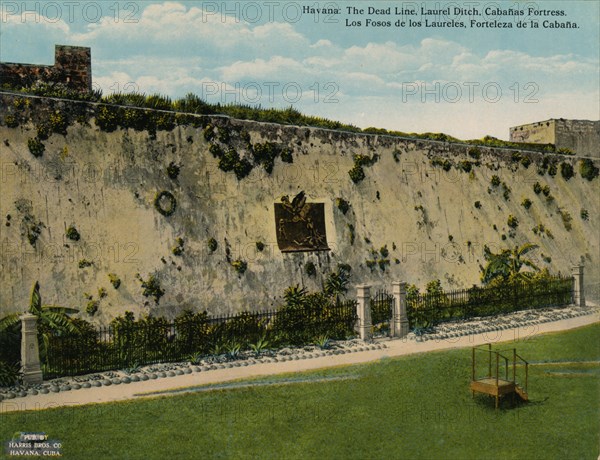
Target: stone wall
{"x":423,"y":211}
{"x":579,"y":136}
{"x":542,"y":132}
{"x":72,"y":67}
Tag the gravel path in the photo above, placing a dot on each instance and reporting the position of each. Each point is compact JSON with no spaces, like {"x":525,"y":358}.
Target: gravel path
{"x":172,"y":378}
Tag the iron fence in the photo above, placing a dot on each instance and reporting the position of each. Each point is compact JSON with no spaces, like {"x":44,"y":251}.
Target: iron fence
{"x":428,"y":309}
{"x":382,"y":305}
{"x":128,"y":344}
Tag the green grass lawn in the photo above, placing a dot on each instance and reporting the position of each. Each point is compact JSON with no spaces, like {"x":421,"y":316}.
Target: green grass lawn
{"x":408,"y":407}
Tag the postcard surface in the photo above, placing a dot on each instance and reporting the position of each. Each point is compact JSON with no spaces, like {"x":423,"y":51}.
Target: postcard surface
{"x":239,"y":229}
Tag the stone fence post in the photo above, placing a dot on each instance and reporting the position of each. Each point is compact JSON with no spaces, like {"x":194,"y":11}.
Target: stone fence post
{"x":363,"y":310}
{"x":579,"y":294}
{"x":30,"y":350}
{"x":399,"y":317}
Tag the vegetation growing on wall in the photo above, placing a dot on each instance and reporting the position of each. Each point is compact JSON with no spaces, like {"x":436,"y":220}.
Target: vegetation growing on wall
{"x":200,"y":144}
{"x":566,"y":170}
{"x":58,"y":122}
{"x":240,"y":266}
{"x":543,"y":166}
{"x":342,"y":205}
{"x":11,"y":121}
{"x":357,"y":173}
{"x":424,"y":220}
{"x":565,"y":151}
{"x":151,"y":287}
{"x":120,"y":111}
{"x":31,"y":228}
{"x":36,"y":146}
{"x":379,"y":258}
{"x":444,"y":163}
{"x":467,"y":166}
{"x":541,"y":230}
{"x":72,"y":233}
{"x":85,"y":263}
{"x":228,"y":143}
{"x":212,"y":244}
{"x":114,"y":280}
{"x":92,"y":307}
{"x":512,"y":221}
{"x":173,"y":170}
{"x":265,"y":154}
{"x":546,"y":190}
{"x":567,"y":220}
{"x":506,"y":191}
{"x":474,"y":152}
{"x":587,"y":170}
{"x":584,"y":214}
{"x":178,"y":249}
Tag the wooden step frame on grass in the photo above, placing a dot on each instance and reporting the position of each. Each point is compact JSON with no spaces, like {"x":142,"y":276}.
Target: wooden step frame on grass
{"x":493,"y":384}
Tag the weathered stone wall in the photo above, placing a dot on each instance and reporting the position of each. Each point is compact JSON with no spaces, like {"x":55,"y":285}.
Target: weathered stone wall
{"x":541,"y":132}
{"x":72,"y":67}
{"x":580,"y":136}
{"x":418,"y":201}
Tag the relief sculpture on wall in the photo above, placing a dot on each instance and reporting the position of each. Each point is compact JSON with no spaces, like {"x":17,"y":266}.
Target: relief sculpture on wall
{"x":300,"y":226}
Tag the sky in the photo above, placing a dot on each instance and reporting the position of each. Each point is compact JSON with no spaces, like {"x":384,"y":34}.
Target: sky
{"x":467,"y":81}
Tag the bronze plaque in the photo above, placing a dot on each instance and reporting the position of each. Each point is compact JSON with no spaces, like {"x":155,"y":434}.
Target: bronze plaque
{"x":300,"y":226}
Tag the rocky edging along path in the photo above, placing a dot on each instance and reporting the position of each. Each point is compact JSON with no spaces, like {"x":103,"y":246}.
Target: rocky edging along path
{"x":161,"y":379}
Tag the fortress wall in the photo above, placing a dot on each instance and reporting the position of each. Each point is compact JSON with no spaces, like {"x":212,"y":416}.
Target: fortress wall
{"x":579,"y":136}
{"x":105,"y":184}
{"x":72,"y":68}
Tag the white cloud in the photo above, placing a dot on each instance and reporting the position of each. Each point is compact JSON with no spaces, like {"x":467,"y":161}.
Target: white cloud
{"x":33,"y":17}
{"x":277,"y":67}
{"x":171,"y":28}
{"x":551,"y":65}
{"x":322,"y":44}
{"x":174,"y":49}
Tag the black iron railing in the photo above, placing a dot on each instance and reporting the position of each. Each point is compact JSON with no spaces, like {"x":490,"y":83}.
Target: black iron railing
{"x":382,"y":305}
{"x":428,"y":309}
{"x":128,"y":344}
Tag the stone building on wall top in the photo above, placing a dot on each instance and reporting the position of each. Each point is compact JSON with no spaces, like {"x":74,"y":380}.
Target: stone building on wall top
{"x":72,"y":68}
{"x":579,"y":136}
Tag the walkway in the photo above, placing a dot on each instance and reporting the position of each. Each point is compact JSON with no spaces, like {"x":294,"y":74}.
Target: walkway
{"x":398,"y":347}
